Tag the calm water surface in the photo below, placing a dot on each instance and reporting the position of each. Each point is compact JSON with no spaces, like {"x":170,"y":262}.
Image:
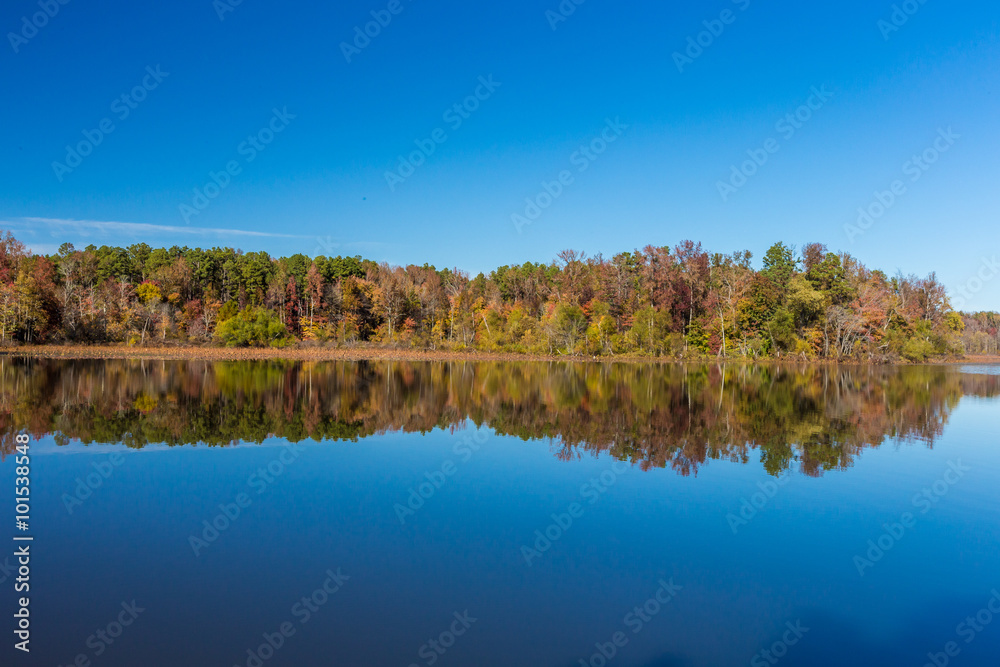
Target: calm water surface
{"x":506,"y":514}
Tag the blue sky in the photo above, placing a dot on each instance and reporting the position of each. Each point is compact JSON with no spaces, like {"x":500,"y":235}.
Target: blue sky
{"x":320,"y":185}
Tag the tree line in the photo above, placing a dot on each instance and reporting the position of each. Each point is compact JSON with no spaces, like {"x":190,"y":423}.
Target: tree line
{"x":658,"y":301}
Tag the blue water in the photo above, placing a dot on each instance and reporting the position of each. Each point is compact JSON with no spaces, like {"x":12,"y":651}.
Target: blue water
{"x":332,"y":508}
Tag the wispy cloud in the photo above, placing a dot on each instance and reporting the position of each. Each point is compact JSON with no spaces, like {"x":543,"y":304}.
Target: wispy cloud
{"x":87,"y":227}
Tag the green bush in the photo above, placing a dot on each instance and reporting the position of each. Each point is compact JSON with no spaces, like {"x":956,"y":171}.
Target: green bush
{"x":918,"y":349}
{"x":782,"y":329}
{"x":257,"y":327}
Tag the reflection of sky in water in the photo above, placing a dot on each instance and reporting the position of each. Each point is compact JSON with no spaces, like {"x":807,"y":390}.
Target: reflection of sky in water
{"x":335,"y":507}
{"x":980,"y":369}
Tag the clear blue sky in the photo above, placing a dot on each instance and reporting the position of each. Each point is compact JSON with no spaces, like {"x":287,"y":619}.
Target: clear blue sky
{"x":320,"y":187}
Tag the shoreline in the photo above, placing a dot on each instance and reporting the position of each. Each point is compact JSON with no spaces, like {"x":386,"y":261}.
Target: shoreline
{"x":193,"y":353}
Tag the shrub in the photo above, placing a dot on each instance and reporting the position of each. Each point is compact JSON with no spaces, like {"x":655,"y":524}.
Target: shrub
{"x":256,"y":327}
{"x":918,"y":349}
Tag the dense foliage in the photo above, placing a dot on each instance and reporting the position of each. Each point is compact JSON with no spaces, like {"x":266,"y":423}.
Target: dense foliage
{"x":656,"y":301}
{"x":253,"y":326}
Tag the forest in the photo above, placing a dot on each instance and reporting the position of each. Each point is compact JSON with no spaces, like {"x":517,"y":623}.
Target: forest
{"x":680,"y":302}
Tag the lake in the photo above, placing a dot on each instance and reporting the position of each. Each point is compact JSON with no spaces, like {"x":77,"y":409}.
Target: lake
{"x":552,"y":514}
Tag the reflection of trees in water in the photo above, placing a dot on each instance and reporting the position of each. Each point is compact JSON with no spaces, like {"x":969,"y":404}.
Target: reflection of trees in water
{"x":657,"y":415}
